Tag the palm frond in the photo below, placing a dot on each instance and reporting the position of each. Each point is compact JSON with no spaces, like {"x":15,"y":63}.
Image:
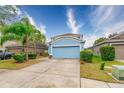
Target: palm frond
{"x":9,"y":37}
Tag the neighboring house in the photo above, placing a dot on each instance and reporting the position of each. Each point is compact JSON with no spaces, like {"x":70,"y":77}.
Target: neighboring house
{"x":66,"y":46}
{"x":116,"y":41}
{"x":40,"y":48}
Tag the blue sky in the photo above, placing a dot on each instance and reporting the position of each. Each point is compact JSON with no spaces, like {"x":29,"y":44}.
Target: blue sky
{"x":91,"y":21}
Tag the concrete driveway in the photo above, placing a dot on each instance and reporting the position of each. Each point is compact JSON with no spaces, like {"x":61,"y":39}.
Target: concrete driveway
{"x":49,"y":73}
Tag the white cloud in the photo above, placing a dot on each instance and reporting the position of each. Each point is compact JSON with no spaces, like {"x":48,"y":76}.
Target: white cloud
{"x":105,"y":20}
{"x":31,"y":19}
{"x":113,"y":28}
{"x":40,"y":27}
{"x":71,"y":22}
{"x":101,"y":16}
{"x":48,"y":40}
{"x":106,"y":15}
{"x":90,"y":40}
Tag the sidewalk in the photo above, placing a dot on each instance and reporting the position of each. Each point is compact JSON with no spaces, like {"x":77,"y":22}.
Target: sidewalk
{"x":89,"y":83}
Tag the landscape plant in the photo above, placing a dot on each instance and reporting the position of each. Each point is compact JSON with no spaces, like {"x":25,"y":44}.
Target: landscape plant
{"x":32,"y":55}
{"x":86,"y":55}
{"x":19,"y":58}
{"x":107,"y":53}
{"x":22,"y":31}
{"x":102,"y":66}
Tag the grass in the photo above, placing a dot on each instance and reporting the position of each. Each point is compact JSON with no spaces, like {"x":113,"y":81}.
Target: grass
{"x":92,"y":70}
{"x":97,"y":59}
{"x":12,"y":64}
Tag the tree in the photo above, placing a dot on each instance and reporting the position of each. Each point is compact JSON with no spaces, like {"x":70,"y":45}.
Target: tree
{"x":22,"y":31}
{"x":7,"y":12}
{"x":100,"y":40}
{"x":17,"y":31}
{"x":37,"y":37}
{"x":35,"y":34}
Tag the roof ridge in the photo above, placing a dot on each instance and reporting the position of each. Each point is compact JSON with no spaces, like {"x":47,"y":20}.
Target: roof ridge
{"x":67,"y":34}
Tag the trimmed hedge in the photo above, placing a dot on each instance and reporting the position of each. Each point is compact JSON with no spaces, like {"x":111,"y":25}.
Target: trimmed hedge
{"x":86,"y":55}
{"x":107,"y":53}
{"x":19,"y":58}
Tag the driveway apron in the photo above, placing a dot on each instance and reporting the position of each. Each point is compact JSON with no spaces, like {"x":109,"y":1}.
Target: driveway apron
{"x":51,"y":73}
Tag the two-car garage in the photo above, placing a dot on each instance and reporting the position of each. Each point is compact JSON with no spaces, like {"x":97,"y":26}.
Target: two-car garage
{"x":66,"y":52}
{"x":66,"y":46}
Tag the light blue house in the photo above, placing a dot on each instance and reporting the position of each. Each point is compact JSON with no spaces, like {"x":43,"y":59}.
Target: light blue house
{"x":66,"y":46}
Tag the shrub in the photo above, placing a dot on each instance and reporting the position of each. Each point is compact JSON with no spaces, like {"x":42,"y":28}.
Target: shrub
{"x":19,"y":58}
{"x":107,"y":53}
{"x":102,"y":66}
{"x":23,"y":55}
{"x":86,"y":55}
{"x":32,"y":55}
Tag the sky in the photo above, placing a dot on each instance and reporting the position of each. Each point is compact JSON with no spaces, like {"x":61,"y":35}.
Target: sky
{"x":92,"y":22}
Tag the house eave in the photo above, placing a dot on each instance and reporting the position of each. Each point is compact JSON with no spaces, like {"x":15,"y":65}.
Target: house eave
{"x":58,"y":38}
{"x":120,"y":41}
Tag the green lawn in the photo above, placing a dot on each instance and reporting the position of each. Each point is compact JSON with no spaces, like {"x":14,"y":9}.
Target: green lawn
{"x":92,"y":71}
{"x":11,"y":64}
{"x":97,"y":59}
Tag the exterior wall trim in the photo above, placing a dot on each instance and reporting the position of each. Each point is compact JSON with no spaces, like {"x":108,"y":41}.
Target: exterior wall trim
{"x":80,"y":47}
{"x":59,"y":38}
{"x":51,"y":49}
{"x":66,"y":45}
{"x":117,"y":43}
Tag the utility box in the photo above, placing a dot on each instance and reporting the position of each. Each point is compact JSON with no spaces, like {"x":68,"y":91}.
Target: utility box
{"x":118,"y":72}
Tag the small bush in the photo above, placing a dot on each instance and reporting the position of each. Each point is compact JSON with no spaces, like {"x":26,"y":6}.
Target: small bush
{"x":86,"y":55}
{"x":32,"y":56}
{"x":19,"y":58}
{"x":107,"y":53}
{"x":102,"y":66}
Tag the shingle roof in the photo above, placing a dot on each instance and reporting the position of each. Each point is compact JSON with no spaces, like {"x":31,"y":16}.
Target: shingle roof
{"x":111,"y":40}
{"x":118,"y":35}
{"x":68,"y":34}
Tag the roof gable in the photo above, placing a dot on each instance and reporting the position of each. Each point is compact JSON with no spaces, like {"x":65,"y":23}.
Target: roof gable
{"x":68,"y":35}
{"x":66,"y":41}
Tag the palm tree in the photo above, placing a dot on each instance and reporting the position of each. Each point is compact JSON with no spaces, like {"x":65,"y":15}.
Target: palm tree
{"x":35,"y":34}
{"x":37,"y":37}
{"x":22,"y":31}
{"x":16,"y":31}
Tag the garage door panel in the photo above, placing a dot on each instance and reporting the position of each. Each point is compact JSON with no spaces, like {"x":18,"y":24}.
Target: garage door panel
{"x":66,"y":52}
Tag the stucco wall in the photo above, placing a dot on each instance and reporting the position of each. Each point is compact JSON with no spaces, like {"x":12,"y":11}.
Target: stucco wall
{"x":96,"y":49}
{"x":119,"y":52}
{"x":66,"y":41}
